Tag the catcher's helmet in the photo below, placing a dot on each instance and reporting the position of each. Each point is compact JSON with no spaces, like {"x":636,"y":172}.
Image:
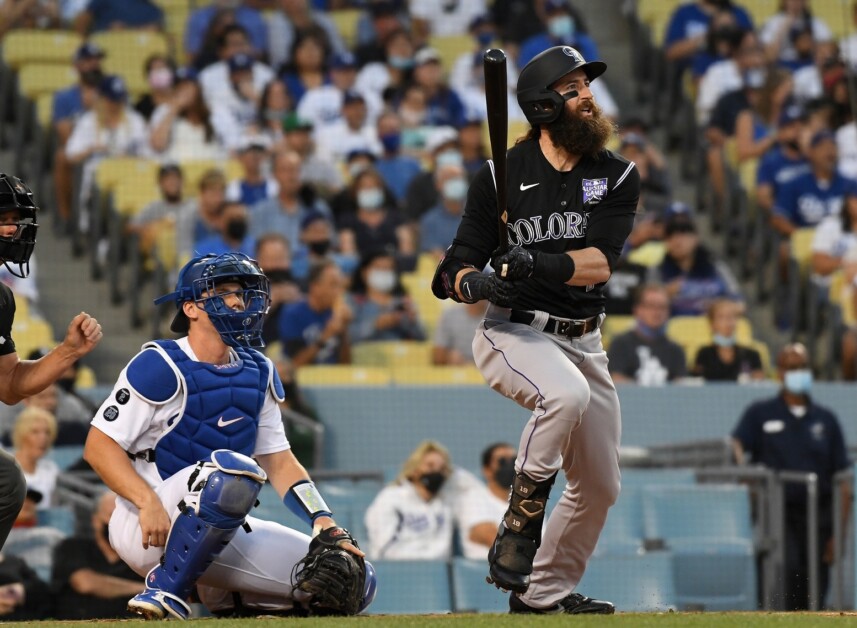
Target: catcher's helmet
{"x":18,"y":247}
{"x":197,"y":282}
{"x":540,"y":103}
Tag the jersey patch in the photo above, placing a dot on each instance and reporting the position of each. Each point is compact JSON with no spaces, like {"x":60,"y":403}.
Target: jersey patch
{"x":122,"y":396}
{"x":594,"y":190}
{"x":111,"y":413}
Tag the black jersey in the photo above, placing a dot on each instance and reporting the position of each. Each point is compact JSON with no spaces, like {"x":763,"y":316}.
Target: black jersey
{"x":593,"y":205}
{"x":7,"y":316}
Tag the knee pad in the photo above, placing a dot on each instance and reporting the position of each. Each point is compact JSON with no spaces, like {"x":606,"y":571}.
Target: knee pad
{"x":229,"y":491}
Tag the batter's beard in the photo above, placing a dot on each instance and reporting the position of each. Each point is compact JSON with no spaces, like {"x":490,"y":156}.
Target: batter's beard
{"x":581,"y":135}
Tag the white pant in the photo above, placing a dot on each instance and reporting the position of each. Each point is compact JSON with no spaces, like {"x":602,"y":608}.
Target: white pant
{"x":258,"y":564}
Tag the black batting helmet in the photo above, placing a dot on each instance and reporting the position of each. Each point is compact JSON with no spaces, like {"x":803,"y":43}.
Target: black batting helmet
{"x":17,"y":247}
{"x":540,"y":103}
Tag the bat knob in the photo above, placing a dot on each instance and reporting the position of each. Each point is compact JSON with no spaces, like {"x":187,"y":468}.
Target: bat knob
{"x":494,"y":55}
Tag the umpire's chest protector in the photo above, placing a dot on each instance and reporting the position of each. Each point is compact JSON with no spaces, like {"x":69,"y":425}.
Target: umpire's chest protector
{"x":221,"y":409}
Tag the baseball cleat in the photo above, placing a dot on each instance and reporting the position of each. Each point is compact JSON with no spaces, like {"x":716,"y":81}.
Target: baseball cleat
{"x":155,"y":604}
{"x":572,"y":604}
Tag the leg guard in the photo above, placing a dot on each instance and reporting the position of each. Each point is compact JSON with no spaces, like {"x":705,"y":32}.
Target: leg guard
{"x":519,"y":536}
{"x":210,"y":517}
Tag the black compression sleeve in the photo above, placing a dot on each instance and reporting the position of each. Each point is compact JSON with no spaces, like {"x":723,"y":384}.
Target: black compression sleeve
{"x":557,"y":267}
{"x":478,"y":227}
{"x":611,"y":222}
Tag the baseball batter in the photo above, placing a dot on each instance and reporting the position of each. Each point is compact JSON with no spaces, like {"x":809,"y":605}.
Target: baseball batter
{"x":174,"y":440}
{"x":571,"y":207}
{"x":23,"y":378}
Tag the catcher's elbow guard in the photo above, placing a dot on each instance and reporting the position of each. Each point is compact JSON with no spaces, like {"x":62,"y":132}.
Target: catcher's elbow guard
{"x":454,"y":259}
{"x":304,"y":500}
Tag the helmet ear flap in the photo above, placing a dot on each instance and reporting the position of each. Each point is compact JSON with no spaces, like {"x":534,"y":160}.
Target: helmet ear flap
{"x":542,"y":107}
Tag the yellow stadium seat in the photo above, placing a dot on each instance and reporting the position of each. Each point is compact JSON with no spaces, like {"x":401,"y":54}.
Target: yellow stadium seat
{"x":110,"y":171}
{"x":126,"y":53}
{"x":450,"y":48}
{"x":649,"y":254}
{"x":836,"y":14}
{"x":614,"y":325}
{"x":174,"y":5}
{"x":842,"y":294}
{"x":35,"y":79}
{"x":694,"y":332}
{"x":194,"y":170}
{"x":392,"y":354}
{"x":130,"y":196}
{"x":764,"y":356}
{"x":165,"y":249}
{"x":346,"y":21}
{"x":429,"y":307}
{"x":801,"y":246}
{"x":85,"y":378}
{"x":175,"y":21}
{"x":22,"y":46}
{"x":44,"y":109}
{"x":342,"y":375}
{"x":31,"y":333}
{"x":761,"y":10}
{"x":437,"y":376}
{"x":517,"y":129}
{"x":656,"y":15}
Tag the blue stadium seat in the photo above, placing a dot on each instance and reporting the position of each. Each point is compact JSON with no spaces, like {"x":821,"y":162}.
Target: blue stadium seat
{"x":66,"y":455}
{"x":702,"y":512}
{"x":470,"y":592}
{"x":271,"y":508}
{"x":638,"y":478}
{"x":715,"y":576}
{"x":59,"y":517}
{"x":623,"y":531}
{"x":633,"y":583}
{"x":411,"y":587}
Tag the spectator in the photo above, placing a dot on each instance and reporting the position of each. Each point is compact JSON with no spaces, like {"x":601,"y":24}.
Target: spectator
{"x":437,"y":18}
{"x":322,"y":105}
{"x":472,"y":146}
{"x":307,"y":68}
{"x":791,"y":432}
{"x":811,"y":80}
{"x":275,"y":105}
{"x":688,"y":27}
{"x":392,"y":73}
{"x":90,"y":580}
{"x":181,"y":129}
{"x":413,"y":109}
{"x":561,"y":23}
{"x":725,"y":360}
{"x":320,"y":174}
{"x":235,"y":113}
{"x":235,"y":81}
{"x":453,"y":336}
{"x":375,"y":225}
{"x":23,"y":596}
{"x":784,"y":161}
{"x":407,"y":520}
{"x":31,"y":542}
{"x":32,"y":437}
{"x":444,"y":106}
{"x":294,"y":18}
{"x":233,"y":236}
{"x":314,"y":330}
{"x":284,"y":212}
{"x":208,"y":52}
{"x":462,"y":76}
{"x":110,"y":129}
{"x":376,"y":25}
{"x":18,"y":14}
{"x":195,"y":225}
{"x":71,"y":413}
{"x":755,"y":125}
{"x":317,"y":244}
{"x":472,"y":91}
{"x":104,"y":15}
{"x":444,"y":150}
{"x":159,"y":71}
{"x":344,"y":204}
{"x":274,"y":258}
{"x":727,"y":75}
{"x":247,"y":17}
{"x":480,"y":509}
{"x":722,"y":39}
{"x":625,"y":281}
{"x":67,"y":393}
{"x":439,"y":225}
{"x":789,"y":30}
{"x":353,"y":132}
{"x":655,"y":187}
{"x":68,"y":106}
{"x":163,"y":213}
{"x":644,"y":355}
{"x":253,"y":187}
{"x":518,"y":20}
{"x":396,"y":169}
{"x":381,"y":308}
{"x":689,"y":271}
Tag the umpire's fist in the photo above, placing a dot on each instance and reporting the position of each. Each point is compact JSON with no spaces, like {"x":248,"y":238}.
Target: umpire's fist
{"x":83,"y":334}
{"x":475,"y":286}
{"x":516,"y":263}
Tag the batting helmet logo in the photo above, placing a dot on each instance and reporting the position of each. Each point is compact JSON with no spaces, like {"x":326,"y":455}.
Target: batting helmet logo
{"x":568,"y":51}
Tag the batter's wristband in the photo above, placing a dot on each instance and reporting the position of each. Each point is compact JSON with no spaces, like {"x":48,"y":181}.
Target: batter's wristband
{"x":557,"y":267}
{"x":304,"y":500}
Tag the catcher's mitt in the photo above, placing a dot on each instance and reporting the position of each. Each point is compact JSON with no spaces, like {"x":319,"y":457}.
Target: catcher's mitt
{"x":329,"y":580}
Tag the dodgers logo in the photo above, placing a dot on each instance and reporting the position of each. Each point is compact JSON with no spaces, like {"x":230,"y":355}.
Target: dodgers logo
{"x":594,"y":190}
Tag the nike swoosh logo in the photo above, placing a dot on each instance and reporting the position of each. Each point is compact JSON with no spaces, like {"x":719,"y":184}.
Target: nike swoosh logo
{"x":527,"y":187}
{"x":222,"y":423}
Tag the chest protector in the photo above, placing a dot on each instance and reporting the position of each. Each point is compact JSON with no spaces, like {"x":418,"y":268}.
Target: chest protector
{"x":221,"y":410}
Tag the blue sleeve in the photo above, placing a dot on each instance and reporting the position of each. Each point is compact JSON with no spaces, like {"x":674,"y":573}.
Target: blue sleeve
{"x":747,"y":432}
{"x":676,"y":28}
{"x":784,"y":204}
{"x":766,"y":173}
{"x":64,"y":105}
{"x":587,"y":47}
{"x":288,"y":326}
{"x":743,"y":18}
{"x":456,"y":109}
{"x":839,"y":454}
{"x":257,"y":29}
{"x":529,"y":49}
{"x":195,"y":29}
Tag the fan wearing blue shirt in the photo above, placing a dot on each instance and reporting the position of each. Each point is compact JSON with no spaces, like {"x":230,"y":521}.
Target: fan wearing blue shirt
{"x":443,"y":105}
{"x":687,"y":30}
{"x":315,"y":329}
{"x":104,"y":15}
{"x":561,"y":31}
{"x":233,"y":236}
{"x":807,"y":199}
{"x":249,"y":18}
{"x":253,"y":187}
{"x":784,"y":161}
{"x":396,"y":169}
{"x":439,"y":225}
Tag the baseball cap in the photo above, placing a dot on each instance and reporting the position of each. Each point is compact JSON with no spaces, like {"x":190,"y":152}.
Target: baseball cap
{"x":359,"y":152}
{"x":441,"y":136}
{"x":293,"y":122}
{"x":679,"y":223}
{"x":426,"y":55}
{"x":312,"y":217}
{"x":113,"y":88}
{"x":240,"y":62}
{"x":820,"y":137}
{"x":88,"y":50}
{"x":789,"y":114}
{"x":556,"y":5}
{"x":477,"y":22}
{"x":352,"y":96}
{"x":343,"y":61}
{"x":169,"y":167}
{"x":677,"y":208}
{"x":251,"y":141}
{"x":185,"y":74}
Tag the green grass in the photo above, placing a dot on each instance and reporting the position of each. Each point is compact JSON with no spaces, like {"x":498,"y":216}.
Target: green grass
{"x":624,"y":620}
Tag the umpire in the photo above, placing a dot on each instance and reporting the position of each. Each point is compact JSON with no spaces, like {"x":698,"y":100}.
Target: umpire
{"x":19,"y":379}
{"x":571,"y":207}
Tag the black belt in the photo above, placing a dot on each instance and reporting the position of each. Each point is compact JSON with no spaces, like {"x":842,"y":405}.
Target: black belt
{"x":571,"y":328}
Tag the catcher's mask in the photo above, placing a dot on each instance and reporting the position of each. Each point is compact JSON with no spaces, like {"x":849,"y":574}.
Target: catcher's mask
{"x":17,"y":247}
{"x":198,"y":281}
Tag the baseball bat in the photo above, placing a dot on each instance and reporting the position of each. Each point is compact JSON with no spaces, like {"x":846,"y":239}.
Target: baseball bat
{"x":497,"y":103}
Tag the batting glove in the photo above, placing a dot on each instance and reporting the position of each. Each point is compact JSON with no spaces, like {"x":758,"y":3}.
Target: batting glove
{"x":477,"y":286}
{"x":516,"y":263}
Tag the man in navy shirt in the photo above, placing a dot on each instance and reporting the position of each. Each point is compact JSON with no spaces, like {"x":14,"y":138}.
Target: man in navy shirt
{"x":686,"y":35}
{"x":784,"y":161}
{"x":791,"y":432}
{"x":105,"y":15}
{"x":562,"y":30}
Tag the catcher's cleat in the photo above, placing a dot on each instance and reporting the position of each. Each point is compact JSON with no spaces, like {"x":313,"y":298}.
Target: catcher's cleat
{"x":572,"y":604}
{"x":155,"y":604}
